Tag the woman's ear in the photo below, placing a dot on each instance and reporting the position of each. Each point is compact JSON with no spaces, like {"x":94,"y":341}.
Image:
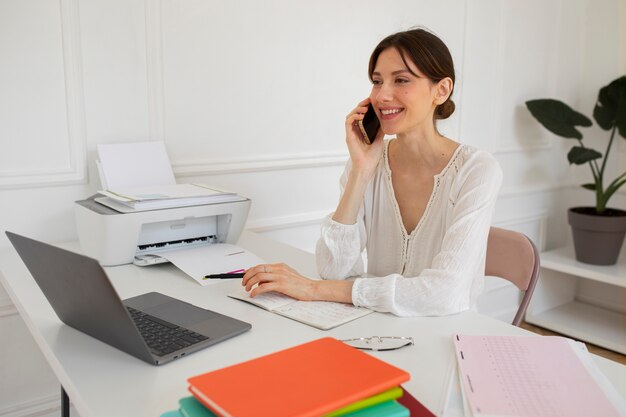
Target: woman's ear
{"x":443,"y":89}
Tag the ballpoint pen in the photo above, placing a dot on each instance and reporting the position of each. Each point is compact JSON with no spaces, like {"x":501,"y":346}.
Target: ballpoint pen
{"x":225,"y":276}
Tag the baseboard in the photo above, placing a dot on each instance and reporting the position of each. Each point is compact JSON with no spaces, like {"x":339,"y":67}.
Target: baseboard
{"x":39,"y":407}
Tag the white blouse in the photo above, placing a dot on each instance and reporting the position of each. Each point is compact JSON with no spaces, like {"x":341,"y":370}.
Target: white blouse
{"x":436,"y":269}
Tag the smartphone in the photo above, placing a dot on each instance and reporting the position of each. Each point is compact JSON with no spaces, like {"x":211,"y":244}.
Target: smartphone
{"x":369,"y":125}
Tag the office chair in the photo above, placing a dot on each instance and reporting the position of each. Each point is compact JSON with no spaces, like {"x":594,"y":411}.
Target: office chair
{"x":514,"y":257}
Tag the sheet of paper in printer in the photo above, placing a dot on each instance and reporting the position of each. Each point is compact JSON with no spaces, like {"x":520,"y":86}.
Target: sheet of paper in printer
{"x":140,"y":164}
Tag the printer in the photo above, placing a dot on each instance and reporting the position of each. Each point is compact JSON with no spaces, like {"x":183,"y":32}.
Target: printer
{"x":116,"y":238}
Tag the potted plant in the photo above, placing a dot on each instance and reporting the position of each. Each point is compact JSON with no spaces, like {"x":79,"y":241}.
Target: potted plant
{"x":598,"y":231}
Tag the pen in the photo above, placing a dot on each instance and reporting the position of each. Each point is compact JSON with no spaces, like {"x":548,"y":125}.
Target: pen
{"x":225,"y":276}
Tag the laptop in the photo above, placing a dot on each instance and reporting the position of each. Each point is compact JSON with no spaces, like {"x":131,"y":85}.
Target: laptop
{"x":152,"y":327}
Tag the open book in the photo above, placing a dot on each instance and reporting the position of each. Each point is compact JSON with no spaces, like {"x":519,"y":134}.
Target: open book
{"x":321,"y":314}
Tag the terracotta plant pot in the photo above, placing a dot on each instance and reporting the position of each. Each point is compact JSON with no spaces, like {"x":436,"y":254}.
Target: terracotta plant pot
{"x":597,"y":238}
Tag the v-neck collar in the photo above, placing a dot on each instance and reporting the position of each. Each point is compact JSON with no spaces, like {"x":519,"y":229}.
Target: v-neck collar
{"x":433,"y":193}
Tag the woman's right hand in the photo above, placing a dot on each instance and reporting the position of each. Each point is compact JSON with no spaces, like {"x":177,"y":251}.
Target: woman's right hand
{"x":364,"y":156}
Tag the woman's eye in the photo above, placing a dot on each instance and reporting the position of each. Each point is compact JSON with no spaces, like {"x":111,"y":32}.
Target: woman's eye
{"x":377,"y":82}
{"x":401,"y":80}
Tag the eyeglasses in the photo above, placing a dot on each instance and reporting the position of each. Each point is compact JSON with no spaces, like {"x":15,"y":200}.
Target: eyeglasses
{"x":379,"y":343}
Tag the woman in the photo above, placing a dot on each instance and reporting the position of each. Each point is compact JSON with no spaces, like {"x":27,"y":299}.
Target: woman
{"x":419,"y":204}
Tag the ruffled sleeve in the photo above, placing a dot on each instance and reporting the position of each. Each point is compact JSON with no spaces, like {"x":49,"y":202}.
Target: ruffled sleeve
{"x":338,"y":251}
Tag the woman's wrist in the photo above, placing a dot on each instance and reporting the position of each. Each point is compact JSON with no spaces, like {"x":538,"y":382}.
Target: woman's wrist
{"x":331,"y":290}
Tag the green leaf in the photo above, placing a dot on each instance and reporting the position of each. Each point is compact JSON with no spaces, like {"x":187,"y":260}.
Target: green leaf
{"x":579,"y":155}
{"x":611,"y":189}
{"x":558,"y":117}
{"x":610,"y":109}
{"x":590,"y":186}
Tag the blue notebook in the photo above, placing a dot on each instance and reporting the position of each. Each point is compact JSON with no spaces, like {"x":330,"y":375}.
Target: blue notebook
{"x":386,"y":409}
{"x":173,"y":413}
{"x":190,"y":407}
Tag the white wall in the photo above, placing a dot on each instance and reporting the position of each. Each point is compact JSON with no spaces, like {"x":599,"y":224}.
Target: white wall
{"x":251,"y":96}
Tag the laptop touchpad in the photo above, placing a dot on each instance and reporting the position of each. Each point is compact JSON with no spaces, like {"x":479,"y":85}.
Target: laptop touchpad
{"x":181,"y":313}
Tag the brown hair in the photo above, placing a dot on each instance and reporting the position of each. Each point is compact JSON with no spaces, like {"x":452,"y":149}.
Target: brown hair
{"x":428,"y":53}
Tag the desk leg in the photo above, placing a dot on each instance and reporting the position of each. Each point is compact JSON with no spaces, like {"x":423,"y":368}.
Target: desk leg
{"x":65,"y":403}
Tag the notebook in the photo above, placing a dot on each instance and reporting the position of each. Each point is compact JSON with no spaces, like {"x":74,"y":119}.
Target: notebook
{"x":190,"y":407}
{"x":152,"y":327}
{"x":385,"y":396}
{"x":415,"y":407}
{"x":311,"y":379}
{"x":386,"y":409}
{"x":323,"y":315}
{"x":521,"y":376}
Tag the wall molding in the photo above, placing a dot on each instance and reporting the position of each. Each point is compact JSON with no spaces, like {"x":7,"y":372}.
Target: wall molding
{"x":43,"y":406}
{"x":259,"y":164}
{"x":76,"y":172}
{"x":516,"y":191}
{"x":287,"y":222}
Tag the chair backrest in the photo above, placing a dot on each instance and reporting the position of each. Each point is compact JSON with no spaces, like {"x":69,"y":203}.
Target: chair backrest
{"x":514,"y":257}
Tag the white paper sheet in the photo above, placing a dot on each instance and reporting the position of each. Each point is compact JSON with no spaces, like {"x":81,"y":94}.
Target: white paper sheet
{"x":217,"y":258}
{"x":135,"y":164}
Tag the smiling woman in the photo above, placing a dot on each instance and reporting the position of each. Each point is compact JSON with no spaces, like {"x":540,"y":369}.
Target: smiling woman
{"x":420,"y":204}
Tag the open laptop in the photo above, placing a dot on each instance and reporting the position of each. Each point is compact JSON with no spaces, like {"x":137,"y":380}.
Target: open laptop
{"x":152,"y":327}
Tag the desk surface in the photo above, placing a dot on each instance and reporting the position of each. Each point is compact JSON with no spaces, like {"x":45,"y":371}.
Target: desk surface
{"x":103,"y":381}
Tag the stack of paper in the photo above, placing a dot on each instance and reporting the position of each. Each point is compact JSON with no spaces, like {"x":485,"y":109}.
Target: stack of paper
{"x":531,"y":376}
{"x":138,"y":177}
{"x":324,"y":377}
{"x":168,"y":196}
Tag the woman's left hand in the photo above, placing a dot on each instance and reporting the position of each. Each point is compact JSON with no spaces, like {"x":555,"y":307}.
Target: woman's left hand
{"x":280,"y":278}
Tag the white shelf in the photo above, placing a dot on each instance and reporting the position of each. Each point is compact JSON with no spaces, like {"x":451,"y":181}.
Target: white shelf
{"x":582,"y":321}
{"x":564,"y":260}
{"x":555,"y":305}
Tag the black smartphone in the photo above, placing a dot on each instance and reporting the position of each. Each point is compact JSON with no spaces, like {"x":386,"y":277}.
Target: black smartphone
{"x":369,"y":125}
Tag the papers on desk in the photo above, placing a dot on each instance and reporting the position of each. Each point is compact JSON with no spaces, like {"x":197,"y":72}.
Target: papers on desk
{"x":217,"y":258}
{"x":534,"y":376}
{"x":323,"y":315}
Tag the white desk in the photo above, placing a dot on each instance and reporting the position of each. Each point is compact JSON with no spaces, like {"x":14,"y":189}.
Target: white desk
{"x":103,"y":381}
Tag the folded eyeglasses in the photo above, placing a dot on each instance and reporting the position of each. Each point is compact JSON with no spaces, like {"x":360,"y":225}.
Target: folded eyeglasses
{"x":379,"y":343}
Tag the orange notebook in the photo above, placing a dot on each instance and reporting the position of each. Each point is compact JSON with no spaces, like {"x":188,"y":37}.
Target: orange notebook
{"x":306,"y":380}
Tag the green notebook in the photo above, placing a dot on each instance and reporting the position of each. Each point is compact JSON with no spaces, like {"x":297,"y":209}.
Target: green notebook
{"x":173,"y":413}
{"x":388,"y":409}
{"x":390,"y":394}
{"x":190,"y":407}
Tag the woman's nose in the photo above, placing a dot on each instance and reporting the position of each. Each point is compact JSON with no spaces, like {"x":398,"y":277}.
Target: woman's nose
{"x":384,"y":94}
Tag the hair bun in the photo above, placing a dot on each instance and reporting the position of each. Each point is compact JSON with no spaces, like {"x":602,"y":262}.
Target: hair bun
{"x":444,"y":110}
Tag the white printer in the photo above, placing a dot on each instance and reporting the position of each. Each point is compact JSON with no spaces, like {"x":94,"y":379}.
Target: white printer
{"x":115,"y":238}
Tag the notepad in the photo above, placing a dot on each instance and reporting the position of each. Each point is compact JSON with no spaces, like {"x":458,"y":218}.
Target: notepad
{"x":323,"y":315}
{"x":307,"y":380}
{"x":535,"y":376}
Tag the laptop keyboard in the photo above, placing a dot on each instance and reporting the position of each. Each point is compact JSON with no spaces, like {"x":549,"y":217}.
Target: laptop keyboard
{"x":161,"y":336}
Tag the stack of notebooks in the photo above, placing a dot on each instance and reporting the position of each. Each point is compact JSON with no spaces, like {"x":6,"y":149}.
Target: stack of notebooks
{"x":324,"y":377}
